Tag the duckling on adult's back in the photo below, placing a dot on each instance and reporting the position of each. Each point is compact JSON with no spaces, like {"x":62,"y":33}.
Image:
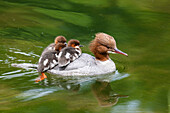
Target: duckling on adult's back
{"x":49,"y":60}
{"x":70,"y":53}
{"x":101,"y":47}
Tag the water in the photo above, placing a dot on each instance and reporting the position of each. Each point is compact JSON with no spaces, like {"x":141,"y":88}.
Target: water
{"x":140,"y":84}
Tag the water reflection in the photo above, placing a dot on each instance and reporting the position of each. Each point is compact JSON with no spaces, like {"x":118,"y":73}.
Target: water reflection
{"x":100,"y":87}
{"x":105,"y":95}
{"x":66,"y":83}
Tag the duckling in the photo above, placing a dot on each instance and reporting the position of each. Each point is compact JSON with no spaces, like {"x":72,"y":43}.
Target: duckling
{"x":70,"y":53}
{"x":58,"y":39}
{"x":49,"y":60}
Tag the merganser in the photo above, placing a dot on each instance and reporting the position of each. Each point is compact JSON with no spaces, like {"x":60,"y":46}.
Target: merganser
{"x":101,"y":46}
{"x":49,"y":60}
{"x":58,"y":39}
{"x":69,"y":53}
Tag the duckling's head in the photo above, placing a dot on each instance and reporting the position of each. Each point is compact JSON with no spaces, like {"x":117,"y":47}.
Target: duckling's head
{"x":59,"y":46}
{"x":74,"y":43}
{"x":103,"y":44}
{"x":60,"y":39}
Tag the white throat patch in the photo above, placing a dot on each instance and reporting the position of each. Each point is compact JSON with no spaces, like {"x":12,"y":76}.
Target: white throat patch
{"x":77,"y":47}
{"x":111,"y":52}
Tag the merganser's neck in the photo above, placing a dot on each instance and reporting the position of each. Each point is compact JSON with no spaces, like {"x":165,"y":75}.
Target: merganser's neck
{"x":101,"y":57}
{"x":99,"y":51}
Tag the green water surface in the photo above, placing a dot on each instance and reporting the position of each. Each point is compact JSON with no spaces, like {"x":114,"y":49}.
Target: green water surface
{"x":141,"y":83}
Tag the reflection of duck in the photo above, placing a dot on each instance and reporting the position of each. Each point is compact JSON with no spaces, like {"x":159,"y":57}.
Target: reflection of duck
{"x":70,"y":86}
{"x":66,"y":83}
{"x":104,"y":94}
{"x":49,"y":60}
{"x":101,"y":46}
{"x":70,"y":53}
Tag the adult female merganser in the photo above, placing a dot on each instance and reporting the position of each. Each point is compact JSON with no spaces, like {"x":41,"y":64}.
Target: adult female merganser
{"x":58,"y":39}
{"x":70,"y":53}
{"x":49,"y":60}
{"x":101,"y":46}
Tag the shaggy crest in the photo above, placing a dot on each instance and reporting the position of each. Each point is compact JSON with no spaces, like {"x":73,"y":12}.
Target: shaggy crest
{"x":102,"y":39}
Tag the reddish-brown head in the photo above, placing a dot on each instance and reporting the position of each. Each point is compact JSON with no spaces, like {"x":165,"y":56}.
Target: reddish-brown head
{"x":102,"y":45}
{"x":73,"y":43}
{"x":60,"y":39}
{"x":103,"y":39}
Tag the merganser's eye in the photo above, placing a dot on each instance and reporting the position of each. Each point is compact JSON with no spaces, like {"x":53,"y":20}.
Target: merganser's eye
{"x":108,"y":47}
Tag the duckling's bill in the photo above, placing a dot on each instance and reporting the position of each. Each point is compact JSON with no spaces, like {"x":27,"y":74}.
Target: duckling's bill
{"x":65,"y":43}
{"x":81,"y":45}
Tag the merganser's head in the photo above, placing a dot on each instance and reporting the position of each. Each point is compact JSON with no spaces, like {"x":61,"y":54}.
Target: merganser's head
{"x":60,"y":39}
{"x":102,"y":45}
{"x":60,"y":46}
{"x":74,"y":43}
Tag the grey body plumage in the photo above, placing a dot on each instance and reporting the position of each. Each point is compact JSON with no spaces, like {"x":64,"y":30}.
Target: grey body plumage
{"x":49,"y":48}
{"x":48,"y":61}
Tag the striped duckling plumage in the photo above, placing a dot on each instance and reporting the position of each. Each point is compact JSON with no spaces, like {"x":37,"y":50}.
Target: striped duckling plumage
{"x":49,"y":60}
{"x":69,"y":53}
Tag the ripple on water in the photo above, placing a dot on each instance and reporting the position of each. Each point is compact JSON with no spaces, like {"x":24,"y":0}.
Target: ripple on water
{"x":36,"y":93}
{"x":14,"y":74}
{"x":11,"y":72}
{"x":131,"y":107}
{"x":10,"y":57}
{"x":17,"y":51}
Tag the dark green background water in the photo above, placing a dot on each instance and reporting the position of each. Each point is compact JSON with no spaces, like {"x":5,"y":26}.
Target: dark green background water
{"x":141,"y":29}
